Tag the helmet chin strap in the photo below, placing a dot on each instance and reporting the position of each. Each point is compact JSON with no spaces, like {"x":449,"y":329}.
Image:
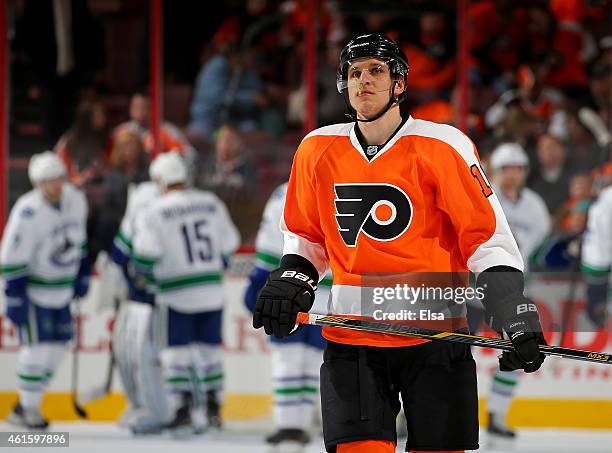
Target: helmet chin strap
{"x":353,"y":115}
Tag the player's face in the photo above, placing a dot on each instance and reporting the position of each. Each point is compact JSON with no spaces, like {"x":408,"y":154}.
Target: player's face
{"x":130,"y":150}
{"x":513,"y":176}
{"x":369,"y":81}
{"x":228,"y":144}
{"x":139,"y":110}
{"x":52,"y":189}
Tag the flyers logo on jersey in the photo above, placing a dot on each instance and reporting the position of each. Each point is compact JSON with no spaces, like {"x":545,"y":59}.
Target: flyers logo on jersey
{"x":382,"y":212}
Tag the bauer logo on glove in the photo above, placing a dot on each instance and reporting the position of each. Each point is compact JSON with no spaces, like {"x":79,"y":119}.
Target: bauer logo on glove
{"x":300,"y":276}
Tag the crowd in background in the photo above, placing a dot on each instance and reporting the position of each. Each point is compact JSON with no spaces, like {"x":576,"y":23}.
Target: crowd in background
{"x":540,"y":76}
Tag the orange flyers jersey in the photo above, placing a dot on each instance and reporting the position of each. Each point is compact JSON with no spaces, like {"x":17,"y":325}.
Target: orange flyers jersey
{"x":422,"y":204}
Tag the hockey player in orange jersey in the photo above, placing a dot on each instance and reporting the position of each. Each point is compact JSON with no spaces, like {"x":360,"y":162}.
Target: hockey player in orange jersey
{"x":389,"y":195}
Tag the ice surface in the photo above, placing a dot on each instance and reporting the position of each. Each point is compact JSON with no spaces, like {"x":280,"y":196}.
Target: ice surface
{"x":90,"y":437}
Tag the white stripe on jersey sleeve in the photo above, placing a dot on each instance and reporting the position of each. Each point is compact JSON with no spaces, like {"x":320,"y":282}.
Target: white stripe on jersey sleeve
{"x":597,"y":245}
{"x":313,"y":252}
{"x":501,"y":248}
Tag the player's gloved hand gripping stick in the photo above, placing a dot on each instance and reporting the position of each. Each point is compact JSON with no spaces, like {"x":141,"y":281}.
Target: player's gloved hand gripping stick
{"x":286,"y":293}
{"x":474,"y":340}
{"x":289,"y":294}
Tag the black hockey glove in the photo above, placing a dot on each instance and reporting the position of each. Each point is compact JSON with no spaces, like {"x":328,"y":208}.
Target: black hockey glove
{"x":286,"y":293}
{"x":520,"y":323}
{"x":513,"y":316}
{"x":525,"y":332}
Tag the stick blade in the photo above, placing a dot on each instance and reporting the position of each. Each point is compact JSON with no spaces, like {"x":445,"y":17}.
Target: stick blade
{"x":79,"y":409}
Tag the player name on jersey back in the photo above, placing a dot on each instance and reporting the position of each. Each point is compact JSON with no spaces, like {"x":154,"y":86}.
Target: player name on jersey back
{"x":184,"y":237}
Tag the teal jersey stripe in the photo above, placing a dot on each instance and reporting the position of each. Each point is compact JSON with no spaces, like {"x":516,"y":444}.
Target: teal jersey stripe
{"x":192,"y":280}
{"x":144,"y":261}
{"x":595,"y":271}
{"x":267,"y":258}
{"x":326,"y":282}
{"x":504,"y":381}
{"x":212,"y":378}
{"x":54,"y":283}
{"x":178,"y":380}
{"x":122,"y":240}
{"x":32,"y":377}
{"x":295,"y":390}
{"x":14,"y":269}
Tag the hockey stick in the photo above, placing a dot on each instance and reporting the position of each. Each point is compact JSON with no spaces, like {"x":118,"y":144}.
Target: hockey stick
{"x":473,"y":340}
{"x":75,"y":360}
{"x":104,"y":389}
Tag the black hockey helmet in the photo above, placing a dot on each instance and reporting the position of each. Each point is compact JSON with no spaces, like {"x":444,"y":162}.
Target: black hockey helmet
{"x":373,"y":45}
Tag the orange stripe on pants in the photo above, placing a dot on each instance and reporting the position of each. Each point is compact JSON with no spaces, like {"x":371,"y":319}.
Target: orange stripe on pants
{"x":380,"y":446}
{"x":367,"y":446}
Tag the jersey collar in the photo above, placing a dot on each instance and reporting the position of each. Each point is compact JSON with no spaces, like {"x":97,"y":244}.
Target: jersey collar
{"x":394,"y":138}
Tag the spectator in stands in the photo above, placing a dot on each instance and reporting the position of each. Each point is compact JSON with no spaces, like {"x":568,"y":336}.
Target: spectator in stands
{"x":602,"y":175}
{"x":226,"y":89}
{"x":561,"y":250}
{"x":172,"y":138}
{"x":431,"y":57}
{"x":600,"y":84}
{"x":329,"y":110}
{"x":552,"y":179}
{"x":572,"y":44}
{"x":128,"y":165}
{"x":330,"y":22}
{"x":541,"y":103}
{"x":82,"y":147}
{"x":540,"y":30}
{"x":497,"y":34}
{"x":438,"y":111}
{"x":573,"y":214}
{"x":230,"y":174}
{"x":585,"y":153}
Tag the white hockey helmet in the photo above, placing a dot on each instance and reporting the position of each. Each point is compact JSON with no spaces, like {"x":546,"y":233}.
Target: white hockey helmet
{"x":169,"y":168}
{"x":508,"y":154}
{"x":45,"y":166}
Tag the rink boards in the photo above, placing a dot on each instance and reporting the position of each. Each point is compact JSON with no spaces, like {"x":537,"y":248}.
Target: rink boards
{"x":564,"y":394}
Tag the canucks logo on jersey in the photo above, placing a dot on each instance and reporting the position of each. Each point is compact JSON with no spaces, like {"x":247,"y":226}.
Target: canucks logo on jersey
{"x":64,"y":254}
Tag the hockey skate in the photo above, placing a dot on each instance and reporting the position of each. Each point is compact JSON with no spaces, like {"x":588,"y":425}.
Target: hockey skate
{"x":288,"y":440}
{"x":498,"y":429}
{"x":128,"y":416}
{"x":198,"y":420}
{"x":182,"y":425}
{"x":213,"y":410}
{"x":143,"y":423}
{"x":32,"y":420}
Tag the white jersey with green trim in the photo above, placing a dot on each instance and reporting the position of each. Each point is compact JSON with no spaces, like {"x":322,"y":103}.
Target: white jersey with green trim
{"x":183,"y":238}
{"x":45,"y":244}
{"x":269,"y":245}
{"x":528,"y":219}
{"x":138,"y":199}
{"x":597,"y":241}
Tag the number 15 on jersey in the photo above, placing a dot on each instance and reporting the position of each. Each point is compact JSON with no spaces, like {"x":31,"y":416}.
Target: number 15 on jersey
{"x":198,"y":245}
